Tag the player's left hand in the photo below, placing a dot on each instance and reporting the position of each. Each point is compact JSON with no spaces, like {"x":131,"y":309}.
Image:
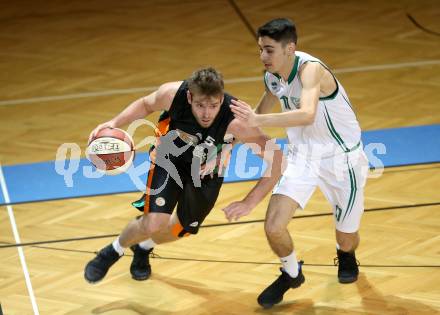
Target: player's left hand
{"x":236,"y":210}
{"x":244,"y":112}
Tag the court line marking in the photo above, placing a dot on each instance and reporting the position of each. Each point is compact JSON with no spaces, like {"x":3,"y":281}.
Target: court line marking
{"x":17,"y":240}
{"x":243,"y":19}
{"x":306,"y":216}
{"x":230,"y":81}
{"x":157,"y":256}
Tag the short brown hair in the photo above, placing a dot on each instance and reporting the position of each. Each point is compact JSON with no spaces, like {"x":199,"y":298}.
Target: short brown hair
{"x":207,"y":81}
{"x":280,"y":30}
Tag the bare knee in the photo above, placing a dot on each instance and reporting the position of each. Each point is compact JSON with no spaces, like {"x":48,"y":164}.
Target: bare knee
{"x":274,"y":230}
{"x":281,"y":210}
{"x":154,"y":223}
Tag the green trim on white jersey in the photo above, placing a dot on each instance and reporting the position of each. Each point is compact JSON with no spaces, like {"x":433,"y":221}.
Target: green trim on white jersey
{"x":294,"y":70}
{"x":335,"y":121}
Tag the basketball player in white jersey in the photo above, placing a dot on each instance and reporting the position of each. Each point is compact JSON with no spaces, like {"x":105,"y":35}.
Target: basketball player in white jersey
{"x":325,"y":151}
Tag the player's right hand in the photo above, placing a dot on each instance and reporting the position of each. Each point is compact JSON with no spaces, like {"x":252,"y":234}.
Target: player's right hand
{"x":244,"y":112}
{"x":108,"y":124}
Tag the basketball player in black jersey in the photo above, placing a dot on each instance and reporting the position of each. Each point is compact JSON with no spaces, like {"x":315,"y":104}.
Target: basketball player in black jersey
{"x":195,"y":127}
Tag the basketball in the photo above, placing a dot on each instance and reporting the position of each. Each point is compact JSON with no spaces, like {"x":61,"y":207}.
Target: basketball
{"x":111,"y":151}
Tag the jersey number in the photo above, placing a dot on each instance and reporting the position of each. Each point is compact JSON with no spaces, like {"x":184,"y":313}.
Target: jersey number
{"x":286,"y":102}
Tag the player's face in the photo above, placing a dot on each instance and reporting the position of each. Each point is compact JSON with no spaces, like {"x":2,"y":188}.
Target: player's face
{"x":274,"y":56}
{"x":205,"y":108}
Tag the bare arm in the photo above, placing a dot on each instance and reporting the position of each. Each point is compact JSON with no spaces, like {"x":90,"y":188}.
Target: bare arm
{"x":161,"y":99}
{"x":310,"y":75}
{"x":267,"y":101}
{"x":266,"y":148}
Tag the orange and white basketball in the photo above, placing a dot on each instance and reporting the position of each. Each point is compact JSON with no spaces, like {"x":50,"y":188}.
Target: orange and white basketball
{"x":111,"y":151}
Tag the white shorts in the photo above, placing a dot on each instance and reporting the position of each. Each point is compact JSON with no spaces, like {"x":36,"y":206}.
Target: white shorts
{"x":341,"y":178}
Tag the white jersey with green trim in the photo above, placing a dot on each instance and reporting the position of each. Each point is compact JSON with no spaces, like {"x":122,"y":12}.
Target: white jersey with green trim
{"x":335,"y":128}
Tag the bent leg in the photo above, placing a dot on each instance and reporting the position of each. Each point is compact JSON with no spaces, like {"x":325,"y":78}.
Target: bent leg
{"x":168,"y":235}
{"x":292,"y":191}
{"x":344,"y":189}
{"x":280,"y":211}
{"x":143,"y":228}
{"x":140,"y":267}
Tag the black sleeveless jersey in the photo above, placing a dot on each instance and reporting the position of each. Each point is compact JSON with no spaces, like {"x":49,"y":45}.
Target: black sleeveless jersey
{"x":180,"y":120}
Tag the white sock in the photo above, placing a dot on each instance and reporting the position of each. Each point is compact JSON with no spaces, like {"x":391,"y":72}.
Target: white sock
{"x":148,"y":244}
{"x":117,"y":247}
{"x":337,"y":246}
{"x":290,"y":265}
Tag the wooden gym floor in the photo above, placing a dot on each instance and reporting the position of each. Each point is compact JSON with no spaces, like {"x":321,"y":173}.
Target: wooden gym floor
{"x":67,"y":66}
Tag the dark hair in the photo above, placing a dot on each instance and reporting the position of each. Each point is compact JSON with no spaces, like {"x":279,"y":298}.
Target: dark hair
{"x":281,"y":30}
{"x":207,"y":81}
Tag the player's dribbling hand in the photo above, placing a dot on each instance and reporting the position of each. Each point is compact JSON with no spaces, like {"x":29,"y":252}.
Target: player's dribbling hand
{"x":244,"y":112}
{"x":236,"y":210}
{"x":108,"y":124}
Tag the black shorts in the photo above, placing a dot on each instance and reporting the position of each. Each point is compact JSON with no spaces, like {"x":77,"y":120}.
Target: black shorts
{"x":193,"y":203}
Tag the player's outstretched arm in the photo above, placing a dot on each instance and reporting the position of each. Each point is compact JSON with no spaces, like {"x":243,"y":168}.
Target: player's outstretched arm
{"x":161,"y":99}
{"x":310,"y":75}
{"x":266,"y":148}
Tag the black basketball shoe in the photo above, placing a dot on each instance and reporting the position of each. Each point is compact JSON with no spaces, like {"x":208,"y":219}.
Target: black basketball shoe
{"x":347,"y":267}
{"x":274,"y":293}
{"x":140,"y":268}
{"x":97,"y":268}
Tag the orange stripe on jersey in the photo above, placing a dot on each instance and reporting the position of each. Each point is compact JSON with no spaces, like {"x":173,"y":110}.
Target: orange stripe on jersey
{"x":177,"y":229}
{"x":147,"y":192}
{"x":162,"y":127}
